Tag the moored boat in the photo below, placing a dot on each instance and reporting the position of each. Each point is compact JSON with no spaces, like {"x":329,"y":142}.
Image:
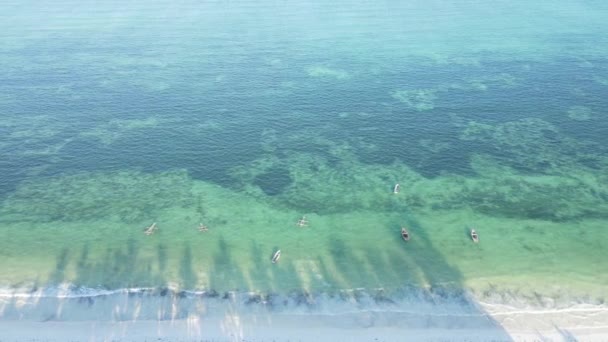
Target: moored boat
{"x":396,"y":188}
{"x":474,"y":236}
{"x":405,"y":234}
{"x":276,"y":256}
{"x":151,"y":229}
{"x":302,"y":222}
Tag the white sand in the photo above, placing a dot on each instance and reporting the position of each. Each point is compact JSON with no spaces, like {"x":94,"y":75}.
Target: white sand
{"x":233,"y":328}
{"x":137,"y":317}
{"x":214,"y":331}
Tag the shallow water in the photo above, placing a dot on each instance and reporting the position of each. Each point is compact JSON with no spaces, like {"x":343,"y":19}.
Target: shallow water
{"x":248,"y":116}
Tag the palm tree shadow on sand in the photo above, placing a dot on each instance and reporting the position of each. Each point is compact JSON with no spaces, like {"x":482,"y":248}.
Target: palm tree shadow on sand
{"x":430,"y":285}
{"x":433,"y":295}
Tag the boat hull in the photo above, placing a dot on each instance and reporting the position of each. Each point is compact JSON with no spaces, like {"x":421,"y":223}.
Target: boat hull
{"x":405,"y":235}
{"x":474,"y":236}
{"x":276,"y":256}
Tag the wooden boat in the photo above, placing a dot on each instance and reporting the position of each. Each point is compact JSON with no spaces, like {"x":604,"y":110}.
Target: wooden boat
{"x":474,"y":236}
{"x":404,"y":234}
{"x":276,"y":256}
{"x":150,"y":230}
{"x":302,"y":222}
{"x":396,"y":188}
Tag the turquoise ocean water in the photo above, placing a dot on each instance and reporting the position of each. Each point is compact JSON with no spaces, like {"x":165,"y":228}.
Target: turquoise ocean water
{"x":246,"y":116}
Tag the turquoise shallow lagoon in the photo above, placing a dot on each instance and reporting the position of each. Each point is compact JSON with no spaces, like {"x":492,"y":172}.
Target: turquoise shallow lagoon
{"x":247,"y":116}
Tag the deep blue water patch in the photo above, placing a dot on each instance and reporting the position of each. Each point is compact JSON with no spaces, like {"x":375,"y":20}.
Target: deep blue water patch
{"x":274,"y":181}
{"x":216,"y":112}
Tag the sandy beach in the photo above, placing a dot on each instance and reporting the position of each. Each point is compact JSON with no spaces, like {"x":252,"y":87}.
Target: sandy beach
{"x":279,"y":328}
{"x":164,"y":315}
{"x":282,"y":330}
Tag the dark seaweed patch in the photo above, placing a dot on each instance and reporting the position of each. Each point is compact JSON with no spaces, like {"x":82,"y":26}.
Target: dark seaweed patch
{"x":274,"y":181}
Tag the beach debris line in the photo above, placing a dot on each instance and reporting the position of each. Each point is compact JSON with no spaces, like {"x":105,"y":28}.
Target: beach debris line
{"x":396,"y":188}
{"x":276,"y":256}
{"x":151,"y":229}
{"x":474,"y":236}
{"x":202,"y":228}
{"x":303,"y":222}
{"x":405,"y":234}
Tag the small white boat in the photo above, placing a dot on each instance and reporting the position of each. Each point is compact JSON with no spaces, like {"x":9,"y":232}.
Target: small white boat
{"x":276,"y":256}
{"x":405,"y":234}
{"x":396,"y":189}
{"x":302,"y":222}
{"x":150,"y":230}
{"x":474,"y":236}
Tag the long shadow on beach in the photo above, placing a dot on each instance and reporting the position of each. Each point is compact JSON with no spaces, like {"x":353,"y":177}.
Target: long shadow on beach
{"x":433,"y":267}
{"x":186,"y":270}
{"x":260,"y":265}
{"x":426,"y":280}
{"x":345,"y":259}
{"x":58,"y":274}
{"x":117,"y":268}
{"x":161,"y":252}
{"x":225,"y":272}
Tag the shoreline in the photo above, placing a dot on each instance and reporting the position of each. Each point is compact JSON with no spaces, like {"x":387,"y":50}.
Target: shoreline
{"x":558,"y":298}
{"x":437,"y":314}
